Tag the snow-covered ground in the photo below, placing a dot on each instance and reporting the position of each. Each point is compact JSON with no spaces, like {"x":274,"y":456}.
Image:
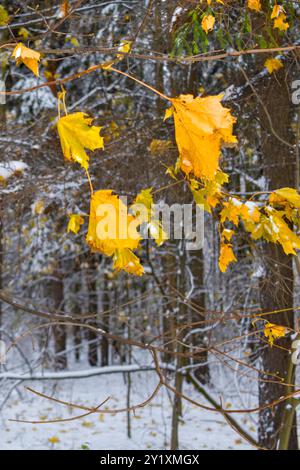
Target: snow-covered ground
{"x":150,"y":425}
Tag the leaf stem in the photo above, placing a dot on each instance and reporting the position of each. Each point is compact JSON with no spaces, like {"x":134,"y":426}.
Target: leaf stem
{"x":140,"y":82}
{"x":90,"y":181}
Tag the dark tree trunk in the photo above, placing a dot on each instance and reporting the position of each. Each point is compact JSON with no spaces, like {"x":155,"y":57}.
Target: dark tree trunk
{"x":55,"y":295}
{"x":180,"y":360}
{"x":197,"y":313}
{"x":105,"y":322}
{"x":1,"y":256}
{"x":276,"y":288}
{"x":93,"y":337}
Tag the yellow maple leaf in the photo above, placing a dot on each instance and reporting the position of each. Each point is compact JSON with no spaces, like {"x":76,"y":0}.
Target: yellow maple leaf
{"x":272,"y":65}
{"x":272,"y":332}
{"x":290,"y":195}
{"x":76,"y":134}
{"x":281,"y":23}
{"x":277,"y":9}
{"x":227,"y":234}
{"x":111,"y":228}
{"x":234,"y":209}
{"x":126,"y":260}
{"x":250,"y":212}
{"x":276,"y":230}
{"x":75,"y":223}
{"x":207,"y":23}
{"x":209,"y":195}
{"x":202,"y":125}
{"x":226,"y":256}
{"x":254,"y":5}
{"x":28,"y":57}
{"x":231,"y":211}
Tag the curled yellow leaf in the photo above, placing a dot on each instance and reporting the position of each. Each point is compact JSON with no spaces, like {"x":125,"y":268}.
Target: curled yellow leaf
{"x":277,"y":9}
{"x":272,"y":332}
{"x":254,"y":5}
{"x":207,"y":23}
{"x":281,"y":23}
{"x":127,"y":261}
{"x":75,"y":222}
{"x":226,"y":256}
{"x":28,"y":57}
{"x":272,"y":65}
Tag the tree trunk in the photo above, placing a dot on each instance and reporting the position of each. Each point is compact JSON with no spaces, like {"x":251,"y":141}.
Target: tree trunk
{"x":93,"y":343}
{"x":276,"y":287}
{"x":55,"y":295}
{"x":195,"y":259}
{"x":105,"y":322}
{"x":181,"y":361}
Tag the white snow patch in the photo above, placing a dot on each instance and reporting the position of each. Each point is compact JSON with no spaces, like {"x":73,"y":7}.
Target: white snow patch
{"x":10,"y":168}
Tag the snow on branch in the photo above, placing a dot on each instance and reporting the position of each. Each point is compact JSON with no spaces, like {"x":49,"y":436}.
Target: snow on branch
{"x":82,"y":374}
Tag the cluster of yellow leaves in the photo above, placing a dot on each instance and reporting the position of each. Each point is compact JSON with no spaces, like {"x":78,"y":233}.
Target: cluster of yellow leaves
{"x":285,"y":197}
{"x":272,"y":221}
{"x":234,"y":210}
{"x":28,"y":57}
{"x":276,"y":220}
{"x":273,"y":228}
{"x":278,"y":14}
{"x":273,"y":332}
{"x":113,"y":232}
{"x":273,"y":65}
{"x":279,"y":17}
{"x":77,"y":134}
{"x":202,"y":126}
{"x":209,"y":194}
